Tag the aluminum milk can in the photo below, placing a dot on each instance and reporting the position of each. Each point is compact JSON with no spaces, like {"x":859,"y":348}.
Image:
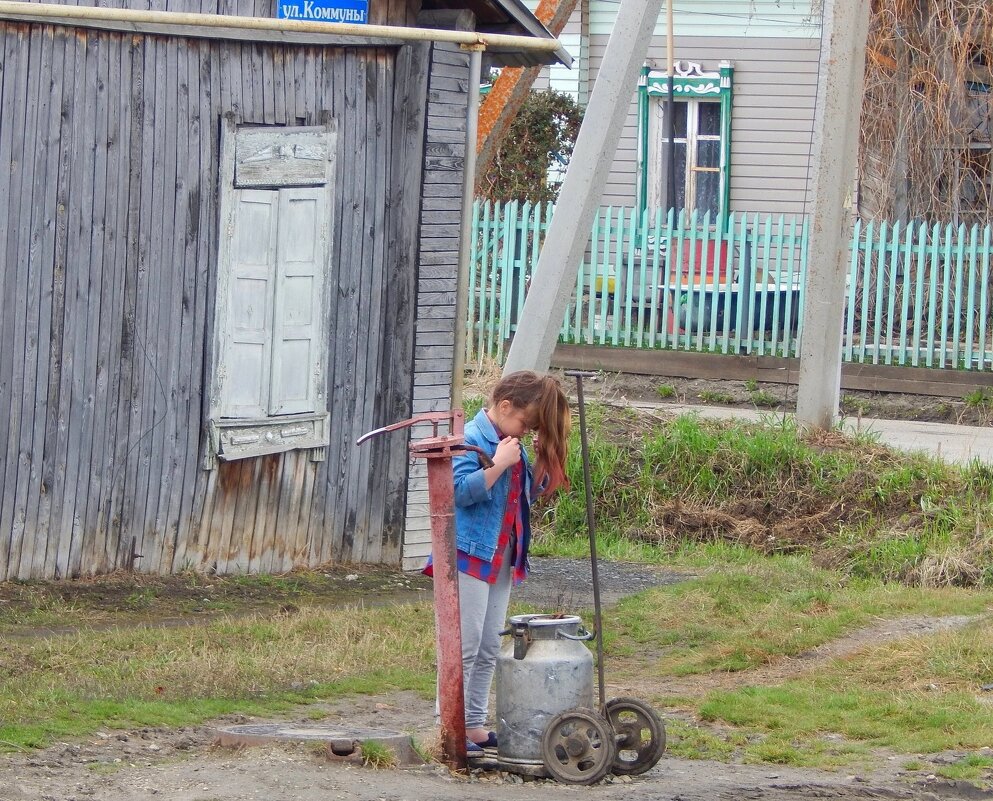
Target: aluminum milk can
{"x":542,"y":670}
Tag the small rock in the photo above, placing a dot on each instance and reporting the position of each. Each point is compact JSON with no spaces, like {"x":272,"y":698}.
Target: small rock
{"x":154,"y":747}
{"x":351,"y":577}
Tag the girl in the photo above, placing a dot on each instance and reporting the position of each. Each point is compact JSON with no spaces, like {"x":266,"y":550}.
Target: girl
{"x":493,"y":531}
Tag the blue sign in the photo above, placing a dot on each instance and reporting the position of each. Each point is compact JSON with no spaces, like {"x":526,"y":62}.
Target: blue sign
{"x":350,"y":11}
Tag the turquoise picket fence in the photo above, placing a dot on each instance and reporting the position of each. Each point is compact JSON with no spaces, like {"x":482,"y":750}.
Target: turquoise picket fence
{"x":916,"y":295}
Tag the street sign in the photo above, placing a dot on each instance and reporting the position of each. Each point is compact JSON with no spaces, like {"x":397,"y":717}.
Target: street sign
{"x":350,"y":11}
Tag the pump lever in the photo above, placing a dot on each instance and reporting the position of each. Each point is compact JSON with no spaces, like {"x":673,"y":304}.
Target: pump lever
{"x":455,"y":418}
{"x":435,"y":445}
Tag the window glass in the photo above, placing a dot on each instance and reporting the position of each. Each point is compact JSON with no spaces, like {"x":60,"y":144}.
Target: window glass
{"x":709,"y":123}
{"x":679,"y":158}
{"x":708,"y":153}
{"x":708,"y":185}
{"x":696,"y":156}
{"x":679,"y":116}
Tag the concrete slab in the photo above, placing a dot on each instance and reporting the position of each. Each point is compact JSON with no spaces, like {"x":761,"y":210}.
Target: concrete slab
{"x":341,"y":741}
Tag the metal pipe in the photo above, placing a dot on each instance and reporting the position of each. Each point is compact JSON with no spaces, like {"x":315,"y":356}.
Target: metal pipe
{"x":584,"y":53}
{"x":438,"y":451}
{"x":670,"y":110}
{"x":469,"y":183}
{"x":133,"y":19}
{"x":447,"y":615}
{"x":591,"y":527}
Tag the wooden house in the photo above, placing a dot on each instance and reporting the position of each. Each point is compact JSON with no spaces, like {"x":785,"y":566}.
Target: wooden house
{"x":228,"y":247}
{"x":745,"y":88}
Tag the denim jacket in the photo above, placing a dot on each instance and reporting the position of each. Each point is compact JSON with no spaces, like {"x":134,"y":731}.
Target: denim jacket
{"x":479,"y":511}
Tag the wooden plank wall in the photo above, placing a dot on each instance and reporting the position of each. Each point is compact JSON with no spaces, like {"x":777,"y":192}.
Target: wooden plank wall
{"x":108,"y":253}
{"x":441,"y":216}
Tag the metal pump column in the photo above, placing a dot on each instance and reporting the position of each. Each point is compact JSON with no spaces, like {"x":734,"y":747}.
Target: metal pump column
{"x":438,"y":450}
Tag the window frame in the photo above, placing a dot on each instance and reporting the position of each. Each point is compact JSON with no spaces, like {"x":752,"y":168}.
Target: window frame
{"x":692,"y":169}
{"x":693,"y":86}
{"x":288,"y":164}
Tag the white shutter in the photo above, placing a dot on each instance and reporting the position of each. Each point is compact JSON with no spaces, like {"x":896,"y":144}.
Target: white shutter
{"x":248,"y":329}
{"x":297,"y":371}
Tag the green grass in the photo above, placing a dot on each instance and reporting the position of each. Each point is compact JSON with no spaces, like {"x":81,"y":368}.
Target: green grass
{"x":970,"y":768}
{"x":870,"y":512}
{"x":852,"y":405}
{"x":695,"y":742}
{"x":377,"y":755}
{"x":70,"y":685}
{"x":763,"y":398}
{"x":789,"y":721}
{"x":710,"y":396}
{"x":666,"y":391}
{"x":910,"y":694}
{"x":980,"y":399}
{"x":751,"y":611}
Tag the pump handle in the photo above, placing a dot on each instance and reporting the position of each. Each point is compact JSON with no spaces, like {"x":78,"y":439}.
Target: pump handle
{"x":456,"y":418}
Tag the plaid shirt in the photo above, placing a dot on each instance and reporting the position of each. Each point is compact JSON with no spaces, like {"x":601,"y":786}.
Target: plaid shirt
{"x":489,"y":571}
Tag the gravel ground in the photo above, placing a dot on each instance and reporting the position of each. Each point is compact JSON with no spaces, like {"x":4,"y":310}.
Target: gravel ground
{"x":567,"y":584}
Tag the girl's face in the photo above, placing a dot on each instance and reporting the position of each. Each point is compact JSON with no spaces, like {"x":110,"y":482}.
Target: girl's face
{"x":513,"y":421}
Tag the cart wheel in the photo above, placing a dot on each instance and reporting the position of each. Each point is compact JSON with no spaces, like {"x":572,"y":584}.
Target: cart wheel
{"x":578,"y":747}
{"x":640,"y":735}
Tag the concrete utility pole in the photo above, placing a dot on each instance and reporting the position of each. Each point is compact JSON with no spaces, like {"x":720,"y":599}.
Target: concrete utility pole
{"x":569,"y":230}
{"x":836,"y":135}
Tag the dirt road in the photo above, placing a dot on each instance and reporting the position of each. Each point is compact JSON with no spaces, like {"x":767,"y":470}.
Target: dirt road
{"x":185,"y":766}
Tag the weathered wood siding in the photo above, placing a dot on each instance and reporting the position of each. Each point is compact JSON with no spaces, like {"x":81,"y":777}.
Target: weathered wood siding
{"x":108,"y":247}
{"x":441,"y":216}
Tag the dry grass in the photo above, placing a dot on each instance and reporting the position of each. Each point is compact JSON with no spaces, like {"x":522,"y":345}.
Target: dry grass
{"x":481,"y":376}
{"x":225,"y":658}
{"x":919,"y":116}
{"x":861,"y":507}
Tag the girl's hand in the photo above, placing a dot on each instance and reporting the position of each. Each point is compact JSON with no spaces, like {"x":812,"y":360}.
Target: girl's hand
{"x":508,"y":453}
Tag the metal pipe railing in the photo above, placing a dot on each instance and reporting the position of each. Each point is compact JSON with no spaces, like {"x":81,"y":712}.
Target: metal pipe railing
{"x":186,"y":24}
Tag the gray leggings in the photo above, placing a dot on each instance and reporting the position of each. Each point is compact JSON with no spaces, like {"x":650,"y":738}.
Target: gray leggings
{"x":483,"y":608}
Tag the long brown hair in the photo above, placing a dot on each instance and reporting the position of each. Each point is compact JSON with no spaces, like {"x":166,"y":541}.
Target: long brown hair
{"x":543,"y":397}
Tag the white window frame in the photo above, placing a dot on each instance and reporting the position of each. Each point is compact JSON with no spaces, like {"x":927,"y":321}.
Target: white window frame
{"x":277,"y":167}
